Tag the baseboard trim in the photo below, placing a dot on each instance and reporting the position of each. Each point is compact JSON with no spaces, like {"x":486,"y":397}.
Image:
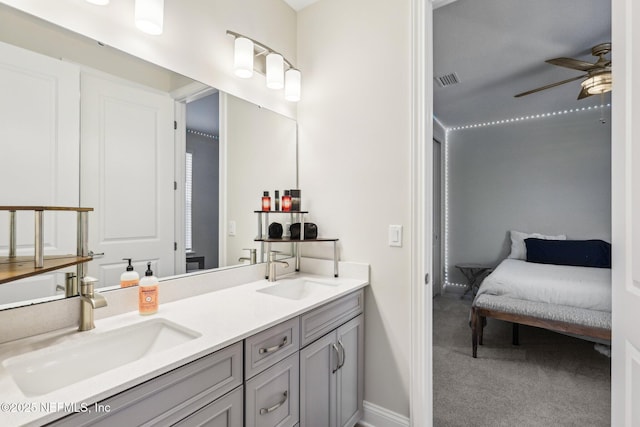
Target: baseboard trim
{"x":377,"y":416}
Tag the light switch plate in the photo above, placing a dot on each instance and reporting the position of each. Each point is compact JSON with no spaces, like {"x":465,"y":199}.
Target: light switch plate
{"x":232,"y":228}
{"x":395,"y":236}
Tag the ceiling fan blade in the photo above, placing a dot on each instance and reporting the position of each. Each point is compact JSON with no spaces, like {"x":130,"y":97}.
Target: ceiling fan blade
{"x":529,"y":92}
{"x":574,"y":64}
{"x":583,"y":94}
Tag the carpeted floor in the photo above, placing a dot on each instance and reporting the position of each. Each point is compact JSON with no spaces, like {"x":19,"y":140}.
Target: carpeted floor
{"x":549,"y":380}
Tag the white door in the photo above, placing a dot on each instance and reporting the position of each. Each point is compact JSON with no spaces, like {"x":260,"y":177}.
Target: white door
{"x":127,"y":176}
{"x":43,"y":168}
{"x":625,"y":366}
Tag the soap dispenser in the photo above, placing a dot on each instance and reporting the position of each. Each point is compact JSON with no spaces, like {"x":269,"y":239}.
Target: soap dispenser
{"x":130,"y":277}
{"x":148,"y":293}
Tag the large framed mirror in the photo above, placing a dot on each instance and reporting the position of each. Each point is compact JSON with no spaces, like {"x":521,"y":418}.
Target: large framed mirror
{"x":173,"y":169}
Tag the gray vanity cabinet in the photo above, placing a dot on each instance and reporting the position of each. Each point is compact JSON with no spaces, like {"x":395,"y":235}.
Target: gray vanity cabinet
{"x":332,"y":367}
{"x":226,"y":411}
{"x":271,"y":397}
{"x":272,"y":376}
{"x":206,"y":389}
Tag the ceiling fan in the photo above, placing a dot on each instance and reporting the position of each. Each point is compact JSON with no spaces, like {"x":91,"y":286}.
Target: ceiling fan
{"x":596,"y":81}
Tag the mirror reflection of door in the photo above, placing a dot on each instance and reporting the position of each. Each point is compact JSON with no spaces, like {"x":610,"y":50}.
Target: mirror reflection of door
{"x":202,"y":183}
{"x":126,"y":175}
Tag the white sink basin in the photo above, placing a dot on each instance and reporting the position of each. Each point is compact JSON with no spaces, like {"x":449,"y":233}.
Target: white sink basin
{"x":42,"y":371}
{"x":297,"y":289}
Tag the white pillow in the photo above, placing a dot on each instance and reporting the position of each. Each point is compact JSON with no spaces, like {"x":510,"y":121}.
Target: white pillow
{"x":519,"y":249}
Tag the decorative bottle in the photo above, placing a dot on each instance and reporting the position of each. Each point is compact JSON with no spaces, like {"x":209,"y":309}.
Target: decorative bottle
{"x":266,"y":201}
{"x":286,"y":202}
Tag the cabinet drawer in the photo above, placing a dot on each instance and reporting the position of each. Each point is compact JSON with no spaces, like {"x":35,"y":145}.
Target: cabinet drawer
{"x":171,"y":396}
{"x":271,"y":397}
{"x":226,"y":411}
{"x":268,"y":347}
{"x":323,"y":319}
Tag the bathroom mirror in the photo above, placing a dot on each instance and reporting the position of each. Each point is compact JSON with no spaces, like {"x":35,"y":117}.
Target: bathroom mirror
{"x":223,"y":154}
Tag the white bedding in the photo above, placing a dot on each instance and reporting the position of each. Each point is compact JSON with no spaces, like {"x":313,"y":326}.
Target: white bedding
{"x":583,"y":287}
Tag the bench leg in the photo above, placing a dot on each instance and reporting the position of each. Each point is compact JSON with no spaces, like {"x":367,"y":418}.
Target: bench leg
{"x":515,"y":334}
{"x":482,"y":321}
{"x":474,"y":333}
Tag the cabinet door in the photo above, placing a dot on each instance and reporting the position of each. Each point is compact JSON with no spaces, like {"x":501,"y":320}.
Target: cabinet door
{"x":224,"y":412}
{"x":271,"y":397}
{"x":350,"y":376}
{"x":318,"y":363}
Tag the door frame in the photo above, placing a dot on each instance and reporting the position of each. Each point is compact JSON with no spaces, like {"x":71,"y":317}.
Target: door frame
{"x":421,"y":386}
{"x":421,"y":378}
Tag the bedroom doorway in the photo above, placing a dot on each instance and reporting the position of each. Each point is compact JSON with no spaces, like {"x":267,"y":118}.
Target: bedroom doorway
{"x":475,"y":206}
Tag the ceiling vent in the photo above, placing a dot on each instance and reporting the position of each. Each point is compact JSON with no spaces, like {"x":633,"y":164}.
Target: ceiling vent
{"x":447,"y":80}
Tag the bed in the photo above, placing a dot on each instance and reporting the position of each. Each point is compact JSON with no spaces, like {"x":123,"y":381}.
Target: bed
{"x":564,"y":298}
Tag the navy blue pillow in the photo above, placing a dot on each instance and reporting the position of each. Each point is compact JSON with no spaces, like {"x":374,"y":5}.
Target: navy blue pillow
{"x":581,"y":253}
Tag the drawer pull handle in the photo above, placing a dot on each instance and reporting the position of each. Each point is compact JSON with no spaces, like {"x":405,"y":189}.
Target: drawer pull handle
{"x":335,"y":348}
{"x":343,"y":354}
{"x":274,"y":348}
{"x":264,"y":411}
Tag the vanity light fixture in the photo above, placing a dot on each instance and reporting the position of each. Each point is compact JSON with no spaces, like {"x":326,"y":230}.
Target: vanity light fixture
{"x":243,"y":57}
{"x":149,"y":16}
{"x":275,"y":71}
{"x":292,"y":85}
{"x":98,"y":2}
{"x":250,"y":55}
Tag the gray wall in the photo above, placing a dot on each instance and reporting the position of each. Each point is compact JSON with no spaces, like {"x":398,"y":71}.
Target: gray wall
{"x":205,"y":197}
{"x":550,"y":175}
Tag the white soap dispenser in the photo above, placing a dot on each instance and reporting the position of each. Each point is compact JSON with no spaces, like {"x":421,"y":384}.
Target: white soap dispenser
{"x":130,"y":277}
{"x":148,"y":293}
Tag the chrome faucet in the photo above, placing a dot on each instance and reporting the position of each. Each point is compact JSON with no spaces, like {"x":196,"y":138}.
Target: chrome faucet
{"x":271,"y":266}
{"x":89,"y":300}
{"x":251,"y":258}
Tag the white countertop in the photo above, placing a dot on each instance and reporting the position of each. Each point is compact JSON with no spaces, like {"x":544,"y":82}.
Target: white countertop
{"x":222,"y":317}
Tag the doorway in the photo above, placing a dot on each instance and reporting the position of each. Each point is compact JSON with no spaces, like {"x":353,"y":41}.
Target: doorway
{"x":202,"y":183}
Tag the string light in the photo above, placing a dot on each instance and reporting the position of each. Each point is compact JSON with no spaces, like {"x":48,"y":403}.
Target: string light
{"x":447,"y":173}
{"x":532,"y":117}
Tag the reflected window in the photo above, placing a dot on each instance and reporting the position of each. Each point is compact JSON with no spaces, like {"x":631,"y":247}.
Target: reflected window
{"x":188,"y":191}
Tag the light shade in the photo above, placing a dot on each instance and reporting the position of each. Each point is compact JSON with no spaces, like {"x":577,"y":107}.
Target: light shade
{"x":98,"y":2}
{"x":598,"y":83}
{"x":275,"y":71}
{"x":292,"y":80}
{"x":243,"y":57}
{"x":149,"y":15}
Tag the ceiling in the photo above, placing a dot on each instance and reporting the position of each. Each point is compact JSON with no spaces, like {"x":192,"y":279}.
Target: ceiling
{"x":299,"y":4}
{"x":498,"y":48}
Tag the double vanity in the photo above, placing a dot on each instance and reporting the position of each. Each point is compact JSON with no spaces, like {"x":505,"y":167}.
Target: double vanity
{"x":255,"y":354}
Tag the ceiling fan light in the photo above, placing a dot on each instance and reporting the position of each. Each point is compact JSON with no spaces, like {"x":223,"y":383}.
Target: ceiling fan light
{"x":598,"y":83}
{"x":149,"y":15}
{"x":275,"y":71}
{"x":243,"y":58}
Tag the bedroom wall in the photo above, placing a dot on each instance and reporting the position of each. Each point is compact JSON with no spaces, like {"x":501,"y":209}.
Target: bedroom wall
{"x":551,"y":176}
